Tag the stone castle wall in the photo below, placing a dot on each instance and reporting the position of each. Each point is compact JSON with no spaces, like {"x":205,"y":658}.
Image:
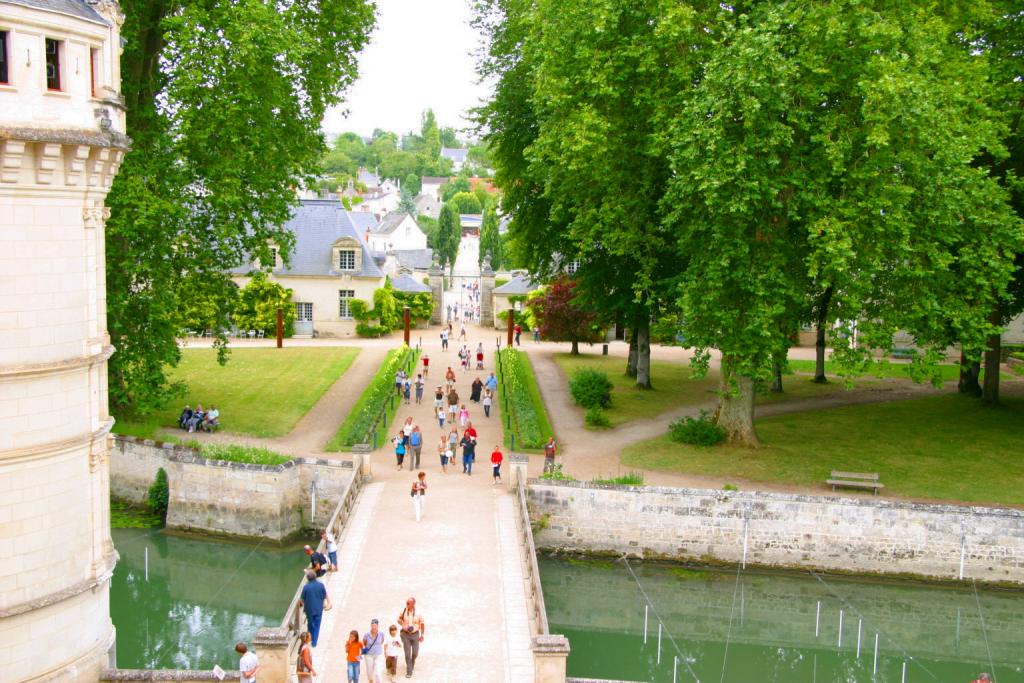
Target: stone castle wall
{"x":229,"y":498}
{"x":861,"y":535}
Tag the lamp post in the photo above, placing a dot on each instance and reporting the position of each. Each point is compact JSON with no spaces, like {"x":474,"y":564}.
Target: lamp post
{"x":280,"y":327}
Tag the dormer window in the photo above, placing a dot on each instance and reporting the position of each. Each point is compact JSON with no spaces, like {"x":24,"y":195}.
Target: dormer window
{"x":347,"y":254}
{"x":54,"y":48}
{"x":346,"y":259}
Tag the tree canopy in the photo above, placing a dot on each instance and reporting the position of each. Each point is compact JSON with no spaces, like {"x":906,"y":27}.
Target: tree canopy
{"x":734,"y":162}
{"x":448,"y":236}
{"x":225,"y":102}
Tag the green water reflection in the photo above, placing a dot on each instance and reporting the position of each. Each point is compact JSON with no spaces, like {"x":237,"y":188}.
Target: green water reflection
{"x":201,"y":597}
{"x":760,"y":628}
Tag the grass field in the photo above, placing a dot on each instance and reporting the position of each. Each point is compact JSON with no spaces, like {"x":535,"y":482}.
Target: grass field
{"x":945,"y":447}
{"x":948,"y":372}
{"x":675,"y":387}
{"x":260,"y":392}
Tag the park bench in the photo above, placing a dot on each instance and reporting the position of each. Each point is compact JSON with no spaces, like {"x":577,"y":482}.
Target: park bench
{"x":858,"y":480}
{"x":903,"y":354}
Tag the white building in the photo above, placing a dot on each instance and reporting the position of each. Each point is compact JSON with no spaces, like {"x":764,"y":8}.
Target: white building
{"x":458,"y":156}
{"x":397,"y":231}
{"x":62,"y":139}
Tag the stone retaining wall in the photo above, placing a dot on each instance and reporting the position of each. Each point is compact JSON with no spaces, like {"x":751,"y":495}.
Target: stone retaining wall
{"x":849,"y":534}
{"x":215,"y":496}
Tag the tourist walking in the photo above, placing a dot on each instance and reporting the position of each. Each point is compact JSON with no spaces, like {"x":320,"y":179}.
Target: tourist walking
{"x":304,"y":662}
{"x":406,"y":389}
{"x":400,"y":450}
{"x":480,"y":356}
{"x":419,"y":389}
{"x":415,"y":448}
{"x":438,"y":397}
{"x":353,"y":653}
{"x":373,"y":651}
{"x":248,"y":664}
{"x":519,"y":331}
{"x":487,"y":401}
{"x":453,"y":404}
{"x":475,"y":389}
{"x":462,"y":332}
{"x":440,"y":417}
{"x":550,"y":450}
{"x":442,"y":453}
{"x":399,"y":376}
{"x":426,"y":366}
{"x":449,"y":377}
{"x":392,"y":650}
{"x":313,"y":600}
{"x":491,"y":383}
{"x":413,"y":629}
{"x":468,"y":453}
{"x":444,"y":340}
{"x":332,"y":548}
{"x":463,"y":416}
{"x":419,"y":490}
{"x":453,"y":442}
{"x":496,"y":458}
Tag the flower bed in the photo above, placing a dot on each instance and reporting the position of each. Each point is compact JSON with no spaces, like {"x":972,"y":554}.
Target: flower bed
{"x":521,"y":398}
{"x":358,"y":426}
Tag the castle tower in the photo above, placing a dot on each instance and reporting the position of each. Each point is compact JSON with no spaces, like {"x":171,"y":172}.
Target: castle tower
{"x":62,"y":138}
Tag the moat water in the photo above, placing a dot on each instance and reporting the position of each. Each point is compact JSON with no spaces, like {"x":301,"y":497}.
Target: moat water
{"x":200,"y":597}
{"x":748,"y":627}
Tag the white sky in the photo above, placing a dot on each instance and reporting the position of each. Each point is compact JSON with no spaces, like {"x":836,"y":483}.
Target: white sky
{"x":419,"y":57}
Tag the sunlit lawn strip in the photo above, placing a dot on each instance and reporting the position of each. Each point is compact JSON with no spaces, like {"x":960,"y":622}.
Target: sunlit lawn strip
{"x":946,"y":447}
{"x":358,"y":424}
{"x":260,"y":392}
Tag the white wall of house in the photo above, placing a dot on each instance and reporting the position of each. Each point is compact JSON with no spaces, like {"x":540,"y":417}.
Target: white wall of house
{"x":324,"y":295}
{"x":381,"y":205}
{"x":406,"y":236}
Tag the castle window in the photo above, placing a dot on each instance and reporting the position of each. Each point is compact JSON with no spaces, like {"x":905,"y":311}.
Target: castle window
{"x":346,"y":259}
{"x":94,"y":71}
{"x":53,"y":55}
{"x":4,"y":59}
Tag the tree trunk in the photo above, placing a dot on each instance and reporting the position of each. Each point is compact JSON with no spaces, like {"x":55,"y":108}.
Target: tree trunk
{"x":969,"y":373}
{"x":736,"y":407}
{"x":631,"y":361}
{"x":575,"y":348}
{"x":819,"y":342}
{"x":990,"y":389}
{"x":643,"y":355}
{"x":776,"y":377}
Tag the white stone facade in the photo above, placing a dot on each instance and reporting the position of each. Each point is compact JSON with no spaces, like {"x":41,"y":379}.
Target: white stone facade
{"x":59,"y":151}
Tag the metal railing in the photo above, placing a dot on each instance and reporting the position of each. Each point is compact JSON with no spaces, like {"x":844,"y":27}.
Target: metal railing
{"x":536,"y":596}
{"x":409,"y":365}
{"x":294,"y":617}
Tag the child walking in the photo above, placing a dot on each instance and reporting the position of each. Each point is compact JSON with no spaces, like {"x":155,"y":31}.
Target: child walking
{"x":392,"y":648}
{"x":463,"y":416}
{"x":353,"y":653}
{"x":496,"y":458}
{"x":442,"y":453}
{"x":487,"y":401}
{"x":440,"y":417}
{"x":400,"y":450}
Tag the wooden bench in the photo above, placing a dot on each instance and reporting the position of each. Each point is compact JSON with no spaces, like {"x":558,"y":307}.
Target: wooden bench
{"x":903,"y":354}
{"x":858,"y":480}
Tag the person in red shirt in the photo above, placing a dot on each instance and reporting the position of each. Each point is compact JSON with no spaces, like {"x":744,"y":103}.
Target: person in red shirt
{"x":470,"y":431}
{"x":496,"y":458}
{"x":426,"y":366}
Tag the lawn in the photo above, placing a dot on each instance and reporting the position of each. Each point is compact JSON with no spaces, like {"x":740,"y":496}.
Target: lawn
{"x":260,"y":392}
{"x":673,"y":382}
{"x":675,"y":387}
{"x":884,"y":368}
{"x":946,"y":447}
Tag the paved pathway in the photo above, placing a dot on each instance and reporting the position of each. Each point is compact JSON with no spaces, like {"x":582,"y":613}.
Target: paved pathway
{"x":461,"y":562}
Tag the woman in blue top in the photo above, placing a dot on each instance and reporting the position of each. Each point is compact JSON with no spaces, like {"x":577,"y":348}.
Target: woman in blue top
{"x":400,"y":450}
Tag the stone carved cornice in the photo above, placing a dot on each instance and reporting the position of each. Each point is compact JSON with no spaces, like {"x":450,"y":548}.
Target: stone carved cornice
{"x":101,"y":577}
{"x":97,"y":456}
{"x":67,"y":136}
{"x":15,"y":372}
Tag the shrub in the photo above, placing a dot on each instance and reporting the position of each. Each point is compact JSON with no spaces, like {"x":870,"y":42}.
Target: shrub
{"x":368,"y":330}
{"x":159,"y":494}
{"x":591,"y":388}
{"x":595,"y":417}
{"x":628,"y":479}
{"x":730,"y":487}
{"x":697,"y":431}
{"x":557,"y":474}
{"x":250,"y":455}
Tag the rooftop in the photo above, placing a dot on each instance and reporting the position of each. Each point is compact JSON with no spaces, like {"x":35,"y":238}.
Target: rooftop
{"x":74,"y":8}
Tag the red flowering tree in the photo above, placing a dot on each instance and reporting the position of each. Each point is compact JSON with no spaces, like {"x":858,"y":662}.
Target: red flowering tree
{"x":561,"y":318}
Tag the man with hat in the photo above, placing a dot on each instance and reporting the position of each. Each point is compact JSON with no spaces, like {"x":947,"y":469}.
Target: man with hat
{"x":373,"y":652}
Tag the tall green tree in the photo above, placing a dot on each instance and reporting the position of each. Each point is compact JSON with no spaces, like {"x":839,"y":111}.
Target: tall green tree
{"x":431,"y":136}
{"x":449,"y":137}
{"x":847,"y":163}
{"x":448,"y":236}
{"x":466,"y":202}
{"x":225,"y":102}
{"x":490,"y":239}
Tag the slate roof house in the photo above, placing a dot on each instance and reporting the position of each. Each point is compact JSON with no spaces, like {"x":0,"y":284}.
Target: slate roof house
{"x":457,"y":155}
{"x":331,"y":265}
{"x":395,"y":231}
